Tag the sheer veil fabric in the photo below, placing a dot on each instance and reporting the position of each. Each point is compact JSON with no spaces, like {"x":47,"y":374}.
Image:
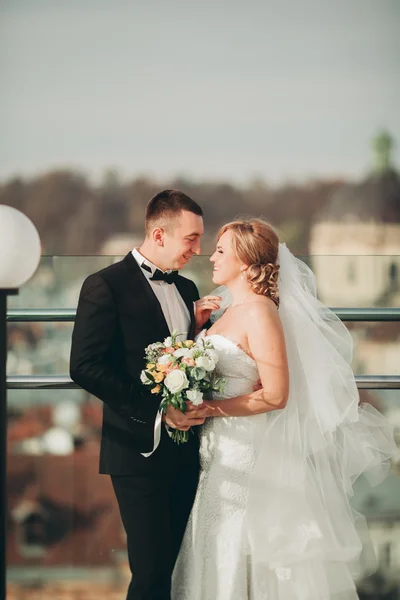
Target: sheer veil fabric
{"x":299,"y":519}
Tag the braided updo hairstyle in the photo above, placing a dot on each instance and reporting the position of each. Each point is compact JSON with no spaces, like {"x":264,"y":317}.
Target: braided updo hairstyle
{"x":256,"y":245}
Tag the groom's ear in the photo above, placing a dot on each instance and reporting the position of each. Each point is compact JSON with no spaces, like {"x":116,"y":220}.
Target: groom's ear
{"x":158,"y":236}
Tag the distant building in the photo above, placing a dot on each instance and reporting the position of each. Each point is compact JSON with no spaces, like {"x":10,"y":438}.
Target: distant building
{"x":361,"y":223}
{"x":62,"y":512}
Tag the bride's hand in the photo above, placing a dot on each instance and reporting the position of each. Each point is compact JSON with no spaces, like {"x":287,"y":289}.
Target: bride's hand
{"x":205,"y":407}
{"x":204,"y":308}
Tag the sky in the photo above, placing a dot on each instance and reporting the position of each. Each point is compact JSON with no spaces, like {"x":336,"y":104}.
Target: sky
{"x":206,"y":89}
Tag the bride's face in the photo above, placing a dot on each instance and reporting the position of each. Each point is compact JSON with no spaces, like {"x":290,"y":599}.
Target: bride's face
{"x":227,"y":266}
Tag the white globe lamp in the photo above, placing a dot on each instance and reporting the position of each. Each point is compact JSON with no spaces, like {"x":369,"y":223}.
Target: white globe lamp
{"x":19,"y":258}
{"x":19,"y":248}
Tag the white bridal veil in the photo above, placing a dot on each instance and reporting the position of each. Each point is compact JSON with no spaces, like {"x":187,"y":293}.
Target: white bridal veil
{"x":299,"y":519}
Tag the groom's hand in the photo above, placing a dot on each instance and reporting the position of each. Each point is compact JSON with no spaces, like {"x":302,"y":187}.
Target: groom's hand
{"x":204,"y":308}
{"x":178,"y":420}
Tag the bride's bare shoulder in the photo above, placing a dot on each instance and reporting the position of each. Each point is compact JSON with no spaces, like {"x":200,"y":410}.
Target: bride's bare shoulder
{"x":262,"y":305}
{"x":261,"y":312}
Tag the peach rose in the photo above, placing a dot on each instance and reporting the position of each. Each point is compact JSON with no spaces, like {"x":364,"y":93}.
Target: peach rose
{"x":189,"y":362}
{"x":156,"y":389}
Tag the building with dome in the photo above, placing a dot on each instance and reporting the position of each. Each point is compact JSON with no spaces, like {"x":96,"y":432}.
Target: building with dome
{"x":355,"y":250}
{"x":361,"y":225}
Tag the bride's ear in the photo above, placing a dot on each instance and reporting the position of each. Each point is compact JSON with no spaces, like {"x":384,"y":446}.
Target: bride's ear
{"x":243,"y":270}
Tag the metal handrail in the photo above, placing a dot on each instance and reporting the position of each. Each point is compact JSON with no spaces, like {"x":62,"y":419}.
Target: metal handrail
{"x":41,"y":382}
{"x":25,"y":315}
{"x":56,"y":382}
{"x":18,"y":315}
{"x":368,"y":314}
{"x":378,"y":382}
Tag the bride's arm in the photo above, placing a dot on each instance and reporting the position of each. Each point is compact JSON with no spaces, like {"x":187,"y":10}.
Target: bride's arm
{"x":267,"y":346}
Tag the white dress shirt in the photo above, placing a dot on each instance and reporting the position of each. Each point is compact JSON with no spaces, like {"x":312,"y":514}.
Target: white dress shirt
{"x":175,"y":311}
{"x":176,"y":315}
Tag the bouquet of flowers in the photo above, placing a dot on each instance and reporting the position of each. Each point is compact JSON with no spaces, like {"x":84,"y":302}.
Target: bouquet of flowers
{"x":181,"y":372}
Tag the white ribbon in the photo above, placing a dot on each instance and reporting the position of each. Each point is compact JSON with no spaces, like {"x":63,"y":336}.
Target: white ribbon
{"x":157,"y":435}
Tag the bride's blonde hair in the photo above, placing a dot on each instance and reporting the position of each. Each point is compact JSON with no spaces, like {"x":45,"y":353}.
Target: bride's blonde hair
{"x":256,"y":244}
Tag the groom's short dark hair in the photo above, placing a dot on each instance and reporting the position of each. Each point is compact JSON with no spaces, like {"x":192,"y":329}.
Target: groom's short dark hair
{"x":167,"y":205}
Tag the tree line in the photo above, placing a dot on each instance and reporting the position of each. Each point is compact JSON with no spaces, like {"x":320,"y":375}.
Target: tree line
{"x":75,"y":216}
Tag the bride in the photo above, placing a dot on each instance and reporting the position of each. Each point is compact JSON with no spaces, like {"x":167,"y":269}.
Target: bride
{"x":272,"y":519}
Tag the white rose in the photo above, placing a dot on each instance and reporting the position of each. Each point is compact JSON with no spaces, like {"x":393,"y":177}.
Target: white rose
{"x":144,"y":378}
{"x":195,"y":397}
{"x":212,"y":355}
{"x":176,"y":381}
{"x":168,"y":342}
{"x":191,"y":351}
{"x":205,"y":362}
{"x":183,"y":352}
{"x":165,"y":359}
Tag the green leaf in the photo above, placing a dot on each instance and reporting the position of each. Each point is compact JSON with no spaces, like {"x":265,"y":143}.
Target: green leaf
{"x":174,"y":402}
{"x":164,"y":407}
{"x":198,"y":373}
{"x":180,"y":437}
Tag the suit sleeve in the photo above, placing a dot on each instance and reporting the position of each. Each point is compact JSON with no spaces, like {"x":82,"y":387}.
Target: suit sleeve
{"x":195,"y":292}
{"x":96,"y":326}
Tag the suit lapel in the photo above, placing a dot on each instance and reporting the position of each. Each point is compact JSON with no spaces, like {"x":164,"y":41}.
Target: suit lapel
{"x":159,"y":322}
{"x":152,"y":299}
{"x":180,"y":284}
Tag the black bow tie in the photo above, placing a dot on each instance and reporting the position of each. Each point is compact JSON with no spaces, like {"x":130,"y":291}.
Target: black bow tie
{"x":168,"y":277}
{"x":160,"y":275}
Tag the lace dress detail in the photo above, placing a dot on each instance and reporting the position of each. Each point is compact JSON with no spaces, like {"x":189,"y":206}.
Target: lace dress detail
{"x":214,"y":563}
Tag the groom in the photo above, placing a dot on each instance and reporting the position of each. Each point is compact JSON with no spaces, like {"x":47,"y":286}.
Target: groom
{"x":123,"y":308}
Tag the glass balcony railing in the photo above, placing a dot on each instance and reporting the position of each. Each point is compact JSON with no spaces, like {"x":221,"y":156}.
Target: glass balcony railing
{"x":343,"y":281}
{"x":41,"y":316}
{"x":65,"y":538}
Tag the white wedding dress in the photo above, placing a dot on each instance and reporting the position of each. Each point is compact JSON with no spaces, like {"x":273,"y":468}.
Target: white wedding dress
{"x":214,"y":561}
{"x":272,"y":518}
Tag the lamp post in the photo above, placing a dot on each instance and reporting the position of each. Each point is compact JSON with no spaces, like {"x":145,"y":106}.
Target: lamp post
{"x":19,"y":258}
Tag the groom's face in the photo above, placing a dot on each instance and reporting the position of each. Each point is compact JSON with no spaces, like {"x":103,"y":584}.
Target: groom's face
{"x":182,"y":240}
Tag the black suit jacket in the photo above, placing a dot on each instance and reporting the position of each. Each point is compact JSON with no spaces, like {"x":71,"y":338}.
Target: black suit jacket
{"x":118,"y":315}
